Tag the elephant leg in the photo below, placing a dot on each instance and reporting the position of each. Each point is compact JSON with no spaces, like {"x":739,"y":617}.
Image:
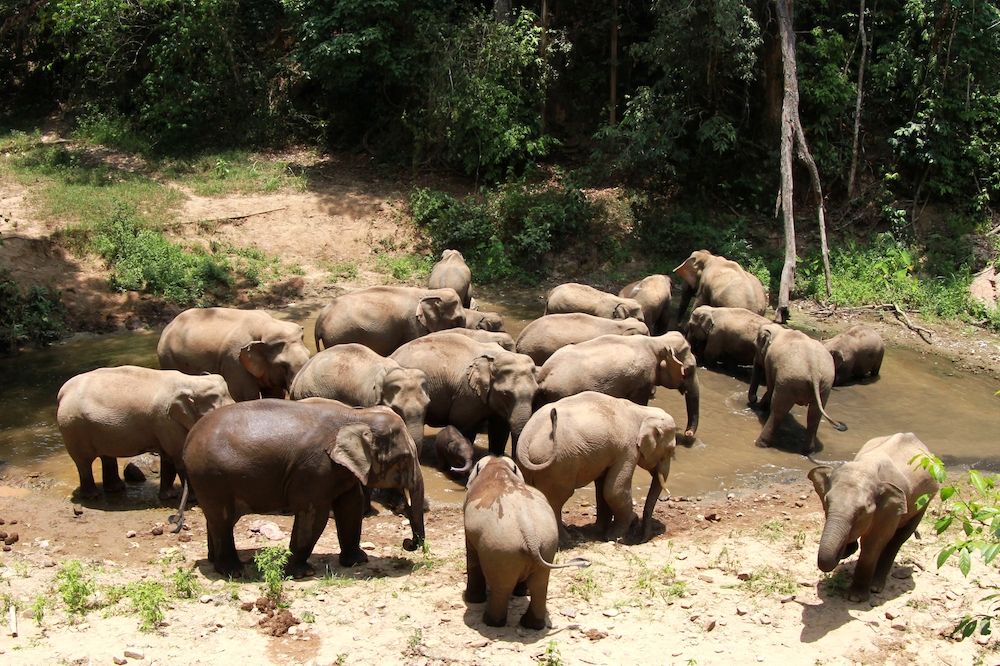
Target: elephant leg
{"x":475,"y":586}
{"x":713,"y":350}
{"x":306,"y":530}
{"x":780,"y":406}
{"x":85,"y":468}
{"x":557,"y":499}
{"x":221,"y":543}
{"x":272,"y":392}
{"x":168,"y":471}
{"x":872,"y":546}
{"x":498,"y":432}
{"x":348,"y":511}
{"x":877,"y":365}
{"x":604,"y":512}
{"x":647,"y":510}
{"x":538,"y":585}
{"x":109,"y":471}
{"x":369,"y":509}
{"x":813,"y":418}
{"x":617,"y":492}
{"x":501,"y":589}
{"x":888,"y":555}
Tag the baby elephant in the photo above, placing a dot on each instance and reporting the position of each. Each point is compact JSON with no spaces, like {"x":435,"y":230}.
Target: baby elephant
{"x":453,"y":451}
{"x":872,"y":499}
{"x":856,"y":352}
{"x":511,"y":538}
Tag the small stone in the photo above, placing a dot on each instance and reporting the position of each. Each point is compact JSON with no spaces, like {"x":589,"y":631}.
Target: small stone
{"x":247,"y":606}
{"x":709,"y":625}
{"x":130,"y":534}
{"x":367,"y":545}
{"x":292,"y":631}
{"x":802,"y":497}
{"x":982,"y":640}
{"x":799,"y":505}
{"x":899,"y":624}
{"x":11,"y":538}
{"x":6,"y":549}
{"x":760,"y":658}
{"x":119,"y":660}
{"x":764,"y":619}
{"x":739,"y":514}
{"x":595,"y":634}
{"x":741,"y":610}
{"x":156,"y":531}
{"x":706,"y":578}
{"x":687,"y":605}
{"x":568,"y":612}
{"x":133,"y":654}
{"x":712,"y":517}
{"x":205,"y":598}
{"x":785,"y":598}
{"x":744,"y":575}
{"x":611,"y":612}
{"x":731,"y":496}
{"x":48,"y":563}
{"x":682,"y":556}
{"x":184,"y":537}
{"x":77,"y":511}
{"x":902,"y":573}
{"x":892,"y":614}
{"x":694,"y":617}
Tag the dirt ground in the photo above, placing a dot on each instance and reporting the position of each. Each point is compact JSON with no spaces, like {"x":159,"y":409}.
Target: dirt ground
{"x":729,"y":580}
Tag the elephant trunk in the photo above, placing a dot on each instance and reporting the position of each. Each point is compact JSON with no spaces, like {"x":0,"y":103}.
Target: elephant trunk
{"x":415,"y":509}
{"x":692,"y":401}
{"x":656,"y":487}
{"x":831,"y":544}
{"x":518,"y":419}
{"x":415,"y":427}
{"x":464,"y":469}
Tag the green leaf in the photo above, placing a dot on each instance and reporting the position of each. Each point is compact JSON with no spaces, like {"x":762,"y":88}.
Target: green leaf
{"x":990,"y":552}
{"x":964,"y":562}
{"x":944,"y":523}
{"x":947,"y":492}
{"x":977,"y":480}
{"x":945,"y":554}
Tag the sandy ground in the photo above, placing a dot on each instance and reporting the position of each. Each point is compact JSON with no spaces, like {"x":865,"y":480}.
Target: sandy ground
{"x":679,"y":599}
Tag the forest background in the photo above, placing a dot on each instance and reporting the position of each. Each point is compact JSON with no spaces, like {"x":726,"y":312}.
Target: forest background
{"x":672,"y":106}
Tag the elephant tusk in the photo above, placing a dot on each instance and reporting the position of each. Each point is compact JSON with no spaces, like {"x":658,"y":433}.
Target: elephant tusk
{"x":663,"y":482}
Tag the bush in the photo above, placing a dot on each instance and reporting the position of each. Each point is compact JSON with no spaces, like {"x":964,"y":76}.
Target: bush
{"x":37,"y":316}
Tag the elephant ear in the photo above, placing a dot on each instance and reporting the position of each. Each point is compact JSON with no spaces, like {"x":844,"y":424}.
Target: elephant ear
{"x":182,"y":409}
{"x":481,"y":377}
{"x":620,"y":312}
{"x":890,"y":504}
{"x":674,"y":368}
{"x":655,"y":432}
{"x":838,"y":358}
{"x":353,"y":447}
{"x":820,"y":476}
{"x":764,"y":337}
{"x":429,"y":312}
{"x":689,"y":271}
{"x":256,"y":357}
{"x":377,"y":383}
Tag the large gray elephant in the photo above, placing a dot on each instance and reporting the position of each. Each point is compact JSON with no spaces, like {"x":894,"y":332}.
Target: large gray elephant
{"x":798,"y":371}
{"x":593,"y":437}
{"x":122,"y":412}
{"x":383,"y":318}
{"x":872,"y":499}
{"x":542,"y":337}
{"x":653,"y":294}
{"x":256,"y":353}
{"x":310,"y":457}
{"x":856,"y":352}
{"x":730,"y":333}
{"x":472,"y":385}
{"x":480,"y":335}
{"x":357,"y":376}
{"x":511,"y":539}
{"x":575,"y":297}
{"x":452,"y":271}
{"x":715,"y":280}
{"x":625,"y":367}
{"x":484,"y":321}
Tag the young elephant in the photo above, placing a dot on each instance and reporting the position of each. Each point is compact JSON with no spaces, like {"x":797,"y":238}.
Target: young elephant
{"x":574,"y":297}
{"x":715,"y":280}
{"x":510,"y":539}
{"x":453,"y":450}
{"x":715,"y":333}
{"x":594,"y":437}
{"x":856,"y":352}
{"x":310,"y":457}
{"x":798,"y":371}
{"x":256,"y":353}
{"x":872,"y":499}
{"x":653,"y":294}
{"x":625,"y":367}
{"x":357,"y":376}
{"x":452,"y":271}
{"x":487,"y":337}
{"x":542,"y":337}
{"x":122,"y":412}
{"x":484,"y":321}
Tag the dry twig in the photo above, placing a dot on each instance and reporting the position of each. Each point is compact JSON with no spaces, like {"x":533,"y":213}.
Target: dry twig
{"x":826,"y":311}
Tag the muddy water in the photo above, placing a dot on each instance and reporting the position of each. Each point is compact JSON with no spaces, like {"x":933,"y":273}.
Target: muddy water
{"x":954,"y":413}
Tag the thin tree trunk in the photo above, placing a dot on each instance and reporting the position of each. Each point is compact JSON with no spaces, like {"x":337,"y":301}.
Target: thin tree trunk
{"x":543,"y":47}
{"x":503,"y":11}
{"x":851,"y":189}
{"x":788,"y":112}
{"x":806,"y":157}
{"x":614,"y":62}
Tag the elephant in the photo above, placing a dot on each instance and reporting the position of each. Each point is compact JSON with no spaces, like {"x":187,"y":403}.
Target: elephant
{"x":256,"y":353}
{"x":511,"y":539}
{"x":798,"y":371}
{"x":575,"y":297}
{"x":872,"y":499}
{"x":126,"y":411}
{"x":452,"y":271}
{"x":653,"y":294}
{"x":473,"y":384}
{"x":623,"y":366}
{"x":357,"y":376}
{"x":715,"y":280}
{"x":453,"y":450}
{"x":856,"y":352}
{"x":595,"y":437}
{"x":486,"y":337}
{"x":542,"y":337}
{"x":731,"y":332}
{"x":484,"y":321}
{"x":383,"y":318}
{"x":310,"y":457}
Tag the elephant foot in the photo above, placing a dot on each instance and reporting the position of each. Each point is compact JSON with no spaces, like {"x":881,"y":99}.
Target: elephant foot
{"x":300,"y":570}
{"x":114,"y":486}
{"x":371,"y":511}
{"x":857,"y":595}
{"x":529,"y":621}
{"x":350,"y":559}
{"x":89,"y":493}
{"x":521,"y":589}
{"x":170,"y":494}
{"x":493,"y":621}
{"x":762,"y":444}
{"x":474,"y":597}
{"x":229,"y":569}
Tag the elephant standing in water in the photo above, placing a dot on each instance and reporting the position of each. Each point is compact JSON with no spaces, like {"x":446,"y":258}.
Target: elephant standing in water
{"x":454,"y":451}
{"x":856,"y":352}
{"x":309,"y":457}
{"x":593,"y":437}
{"x":511,"y":539}
{"x":357,"y":376}
{"x":484,"y":321}
{"x":472,"y":385}
{"x":542,"y":337}
{"x":575,"y":297}
{"x":453,"y":272}
{"x":798,"y":371}
{"x":625,"y":367}
{"x":122,"y":412}
{"x":653,"y":294}
{"x":872,"y":499}
{"x":717,"y":281}
{"x":383,"y":318}
{"x":730,"y":333}
{"x":257,"y":354}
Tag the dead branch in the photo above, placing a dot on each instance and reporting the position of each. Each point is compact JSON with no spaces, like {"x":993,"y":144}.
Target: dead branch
{"x":826,"y":311}
{"x":243,"y":217}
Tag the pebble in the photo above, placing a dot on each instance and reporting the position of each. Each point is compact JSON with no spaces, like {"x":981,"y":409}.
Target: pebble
{"x":741,"y":610}
{"x":710,"y":625}
{"x":205,"y":598}
{"x":739,"y":514}
{"x":133,"y":654}
{"x":130,"y":534}
{"x":744,"y":575}
{"x":156,"y":531}
{"x":119,"y":660}
{"x":367,"y":545}
{"x":611,"y":612}
{"x":899,"y":624}
{"x":686,"y":605}
{"x":568,"y":612}
{"x":77,"y":511}
{"x":892,"y":614}
{"x":184,"y":537}
{"x":11,"y":538}
{"x":786,"y":598}
{"x":706,"y":578}
{"x":48,"y":563}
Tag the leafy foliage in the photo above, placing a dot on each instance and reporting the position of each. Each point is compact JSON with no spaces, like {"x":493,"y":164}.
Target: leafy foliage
{"x":270,"y":562}
{"x":74,"y":586}
{"x":37,"y":316}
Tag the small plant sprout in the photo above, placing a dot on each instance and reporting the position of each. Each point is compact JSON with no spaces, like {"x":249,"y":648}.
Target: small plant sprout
{"x":270,"y":562}
{"x":551,"y":656}
{"x":415,"y":639}
{"x":73,"y":586}
{"x":38,"y":607}
{"x":308,"y":617}
{"x":186,"y":586}
{"x":148,"y":598}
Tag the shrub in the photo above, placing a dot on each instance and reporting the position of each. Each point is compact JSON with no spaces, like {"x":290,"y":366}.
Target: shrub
{"x":270,"y":562}
{"x":37,"y":316}
{"x":73,"y":586}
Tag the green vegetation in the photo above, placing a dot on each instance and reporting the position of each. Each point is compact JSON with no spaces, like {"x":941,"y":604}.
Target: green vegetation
{"x":836,"y":582}
{"x":38,"y":607}
{"x":37,"y":316}
{"x":584,"y":586}
{"x":403,"y":268}
{"x":768,"y":580}
{"x":74,"y":587}
{"x":270,"y":562}
{"x":186,"y":586}
{"x":347,"y":270}
{"x":551,"y":657}
{"x":148,"y":599}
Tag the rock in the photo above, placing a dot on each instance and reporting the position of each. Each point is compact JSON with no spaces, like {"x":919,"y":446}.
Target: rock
{"x":119,"y":660}
{"x":687,"y":605}
{"x":595,"y":634}
{"x":247,"y":606}
{"x":984,"y":287}
{"x":786,"y":598}
{"x":568,"y":612}
{"x":133,"y":474}
{"x":899,"y":624}
{"x":744,"y":575}
{"x":709,"y":625}
{"x":706,"y":578}
{"x":48,"y":563}
{"x":611,"y":612}
{"x":367,"y":545}
{"x":3,"y":535}
{"x":270,"y":530}
{"x":130,"y":534}
{"x":892,"y":614}
{"x":156,"y":531}
{"x":11,"y":538}
{"x":902,"y":573}
{"x":712,"y":517}
{"x":77,"y":511}
{"x":184,"y":537}
{"x":134,"y":654}
{"x":205,"y":598}
{"x":694,"y":617}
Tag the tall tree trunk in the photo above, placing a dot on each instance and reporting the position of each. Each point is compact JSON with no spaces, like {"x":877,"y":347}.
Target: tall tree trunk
{"x":543,"y":48}
{"x":614,"y":63}
{"x":503,"y":11}
{"x":851,"y":188}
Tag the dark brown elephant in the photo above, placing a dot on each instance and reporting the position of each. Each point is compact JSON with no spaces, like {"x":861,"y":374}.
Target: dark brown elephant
{"x":653,"y":293}
{"x":856,"y":352}
{"x":872,"y":499}
{"x":309,"y":457}
{"x":715,"y":280}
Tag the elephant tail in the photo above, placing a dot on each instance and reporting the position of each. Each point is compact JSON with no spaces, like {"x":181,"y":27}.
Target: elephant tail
{"x":179,"y":516}
{"x":838,"y":425}
{"x":522,"y":458}
{"x":531,"y":541}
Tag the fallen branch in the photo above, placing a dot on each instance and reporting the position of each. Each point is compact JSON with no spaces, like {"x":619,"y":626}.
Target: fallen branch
{"x":243,"y":217}
{"x":825,"y":311}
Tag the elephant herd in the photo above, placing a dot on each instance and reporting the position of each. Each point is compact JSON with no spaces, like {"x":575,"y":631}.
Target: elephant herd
{"x":570,"y":394}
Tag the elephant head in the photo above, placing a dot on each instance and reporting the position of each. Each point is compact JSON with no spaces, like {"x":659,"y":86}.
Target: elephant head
{"x":855,"y":500}
{"x":626,"y":309}
{"x":405,"y":391}
{"x":764,"y":337}
{"x":506,"y":384}
{"x":441,"y":310}
{"x":692,"y":268}
{"x":484,"y":321}
{"x":192,"y":402}
{"x":656,"y":443}
{"x":275,"y":359}
{"x":677,"y":369}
